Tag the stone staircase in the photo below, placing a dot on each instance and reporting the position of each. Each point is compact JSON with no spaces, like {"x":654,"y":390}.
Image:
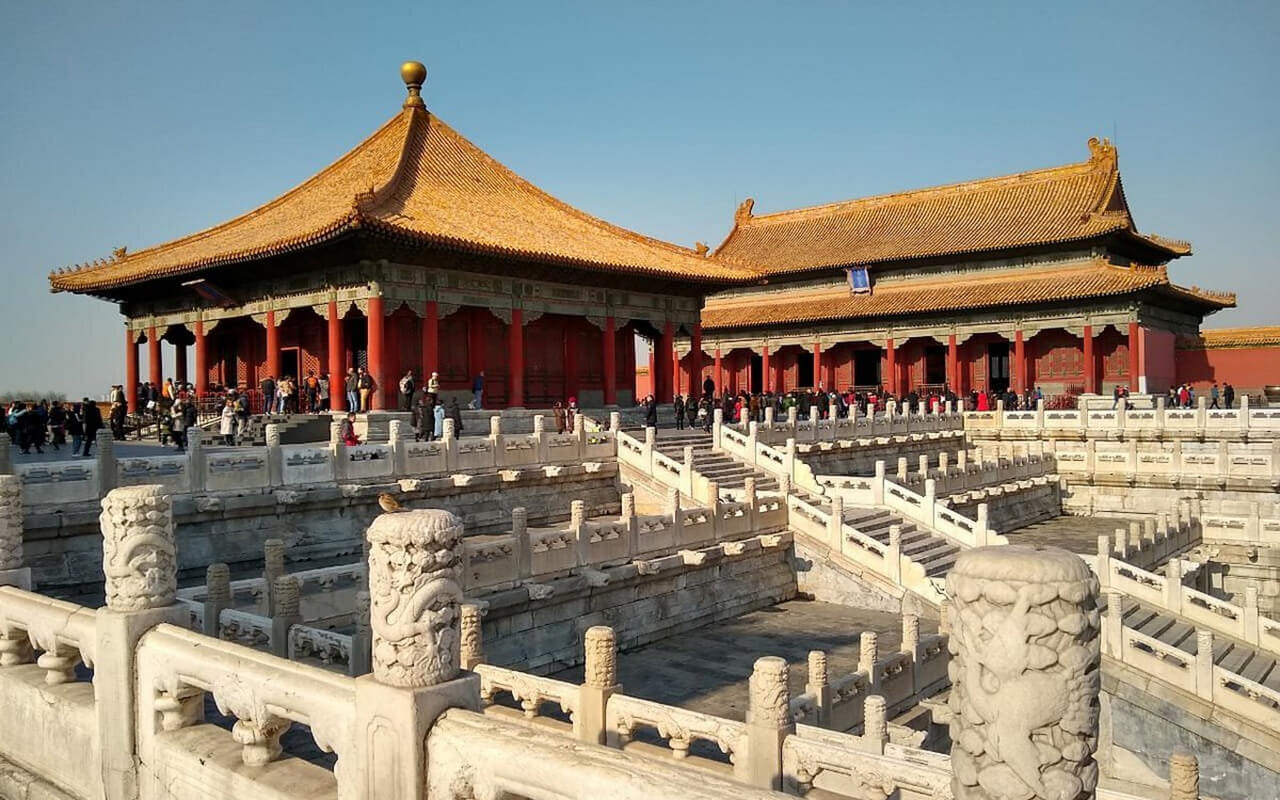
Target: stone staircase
{"x":726,"y":471}
{"x":935,"y":553}
{"x":1230,"y":654}
{"x":294,"y":428}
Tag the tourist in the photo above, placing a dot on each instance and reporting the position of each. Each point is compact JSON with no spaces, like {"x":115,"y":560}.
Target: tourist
{"x":365,"y":387}
{"x":433,"y":384}
{"x":347,"y":433}
{"x":57,"y":425}
{"x":650,"y":412}
{"x":75,"y":428}
{"x":438,"y":414}
{"x":454,"y":412}
{"x":311,"y":386}
{"x":117,"y":417}
{"x":92,"y":423}
{"x":322,"y":392}
{"x":422,"y":418}
{"x":571,"y":413}
{"x":1228,"y":394}
{"x":268,"y":388}
{"x":691,"y":411}
{"x":406,"y":391}
{"x":1213,"y":395}
{"x":708,"y":387}
{"x":477,"y":389}
{"x":557,"y":411}
{"x":227,"y":422}
{"x":678,"y":406}
{"x":351,"y":386}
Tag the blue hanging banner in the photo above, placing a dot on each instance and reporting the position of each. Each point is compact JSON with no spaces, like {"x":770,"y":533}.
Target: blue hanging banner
{"x":859,"y":280}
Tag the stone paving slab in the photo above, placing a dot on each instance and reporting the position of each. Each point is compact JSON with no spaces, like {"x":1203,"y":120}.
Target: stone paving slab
{"x":707,"y":669}
{"x":1076,"y":534}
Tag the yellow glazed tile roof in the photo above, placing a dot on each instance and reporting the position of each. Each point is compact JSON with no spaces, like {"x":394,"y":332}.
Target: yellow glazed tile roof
{"x":1227,"y":338}
{"x":1062,"y":204}
{"x":418,"y":180}
{"x":1011,"y":287}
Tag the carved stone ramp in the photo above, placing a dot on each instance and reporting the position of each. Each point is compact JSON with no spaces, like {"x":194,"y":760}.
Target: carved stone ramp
{"x":1231,"y":654}
{"x":934,"y":552}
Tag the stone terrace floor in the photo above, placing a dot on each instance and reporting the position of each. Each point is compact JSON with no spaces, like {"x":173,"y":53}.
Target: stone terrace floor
{"x":1077,"y":534}
{"x":707,"y":669}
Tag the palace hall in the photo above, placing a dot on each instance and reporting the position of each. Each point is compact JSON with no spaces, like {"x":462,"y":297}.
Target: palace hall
{"x":1034,"y":279}
{"x":418,"y":251}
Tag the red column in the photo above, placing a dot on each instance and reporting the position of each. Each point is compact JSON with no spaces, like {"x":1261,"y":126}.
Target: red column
{"x":515,"y":372}
{"x":1134,"y":359}
{"x":180,"y":364}
{"x":766,"y":374}
{"x":892,"y":366}
{"x":675,"y":370}
{"x":131,"y":370}
{"x":377,"y":324}
{"x":1019,"y":366}
{"x":817,"y":363}
{"x":953,"y":364}
{"x":273,"y":347}
{"x":1090,"y":372}
{"x":572,"y":367}
{"x":431,"y":339}
{"x":719,"y":374}
{"x":202,"y":360}
{"x":661,"y":369}
{"x":695,"y":361}
{"x":608,"y":350}
{"x":337,"y":358}
{"x":153,"y":356}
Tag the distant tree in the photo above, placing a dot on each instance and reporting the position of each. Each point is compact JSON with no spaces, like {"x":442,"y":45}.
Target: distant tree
{"x":30,"y":396}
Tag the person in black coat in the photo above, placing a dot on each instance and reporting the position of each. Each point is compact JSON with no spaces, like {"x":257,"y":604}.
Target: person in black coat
{"x":708,"y":387}
{"x":650,"y":412}
{"x":92,"y":423}
{"x":678,"y":407}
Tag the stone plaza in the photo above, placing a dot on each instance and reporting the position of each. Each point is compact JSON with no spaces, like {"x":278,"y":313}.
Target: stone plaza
{"x":918,"y":600}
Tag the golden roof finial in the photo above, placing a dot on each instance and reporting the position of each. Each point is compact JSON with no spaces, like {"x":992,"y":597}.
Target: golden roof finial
{"x":414,"y":74}
{"x":1100,"y":148}
{"x":700,"y":248}
{"x":744,"y":211}
{"x":120,"y":252}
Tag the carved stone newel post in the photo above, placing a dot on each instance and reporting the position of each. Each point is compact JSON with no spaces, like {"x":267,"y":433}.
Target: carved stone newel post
{"x":12,"y":573}
{"x":415,"y":597}
{"x":140,"y":561}
{"x":1025,"y":674}
{"x":769,"y":723}
{"x":599,"y":683}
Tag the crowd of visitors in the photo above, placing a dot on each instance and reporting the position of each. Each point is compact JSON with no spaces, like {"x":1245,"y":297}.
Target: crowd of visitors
{"x":32,"y":425}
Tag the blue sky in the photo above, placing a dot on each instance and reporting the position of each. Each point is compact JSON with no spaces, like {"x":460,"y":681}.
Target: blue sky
{"x":129,"y":124}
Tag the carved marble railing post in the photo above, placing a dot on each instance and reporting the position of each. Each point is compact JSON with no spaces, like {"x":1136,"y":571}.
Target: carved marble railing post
{"x":819,"y":686}
{"x":107,"y":472}
{"x":835,"y":524}
{"x":286,"y":611}
{"x":1204,"y":664}
{"x":139,"y":558}
{"x":911,"y":646}
{"x":868,"y":655}
{"x":397,"y":435}
{"x":577,"y":519}
{"x":520,"y":530}
{"x":615,"y":422}
{"x":1025,"y":674}
{"x":628,"y":516}
{"x":361,"y":662}
{"x":1184,"y":776}
{"x":769,"y":723}
{"x":875,"y":725}
{"x":1113,"y":625}
{"x":600,"y":682}
{"x":471,"y":636}
{"x":217,"y":596}
{"x":275,"y":459}
{"x":499,"y":451}
{"x":944,"y":617}
{"x":415,"y":587}
{"x":673,"y":510}
{"x":12,"y":573}
{"x":196,"y":471}
{"x":272,"y":568}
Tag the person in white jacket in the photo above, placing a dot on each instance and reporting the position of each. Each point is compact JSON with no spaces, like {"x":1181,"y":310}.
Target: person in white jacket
{"x":227,"y":424}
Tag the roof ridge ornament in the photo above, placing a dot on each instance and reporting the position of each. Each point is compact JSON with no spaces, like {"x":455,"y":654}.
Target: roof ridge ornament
{"x":1100,"y":149}
{"x":700,"y":248}
{"x":414,"y":74}
{"x":743,"y":214}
